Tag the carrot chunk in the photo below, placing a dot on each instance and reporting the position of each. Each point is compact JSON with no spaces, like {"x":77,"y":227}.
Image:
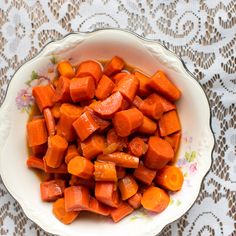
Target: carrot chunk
{"x":174,"y":140}
{"x":65,"y":69}
{"x":143,"y":90}
{"x":97,"y":207}
{"x":120,"y":172}
{"x":104,"y":88}
{"x":148,"y":126}
{"x":39,"y":150}
{"x":135,"y":200}
{"x":114,"y":66}
{"x":117,"y":77}
{"x":113,"y":138}
{"x":50,"y":121}
{"x":62,"y":169}
{"x":71,"y":153}
{"x":56,"y":110}
{"x":144,"y":174}
{"x":166,"y":104}
{"x":137,"y":101}
{"x":104,"y":171}
{"x":127,"y":186}
{"x":62,"y":92}
{"x":89,"y":183}
{"x":137,"y":147}
{"x":34,"y":162}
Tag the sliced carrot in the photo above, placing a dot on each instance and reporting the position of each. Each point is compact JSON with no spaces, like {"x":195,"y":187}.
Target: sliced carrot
{"x":36,"y":132}
{"x":56,"y":110}
{"x":127,"y":122}
{"x":97,"y":207}
{"x":65,"y":69}
{"x":148,"y":126}
{"x":127,"y":186}
{"x":112,"y":137}
{"x":105,"y":171}
{"x":117,"y":77}
{"x":50,"y":121}
{"x":137,"y":147}
{"x":75,"y":180}
{"x":115,"y":65}
{"x":62,"y":92}
{"x":125,"y":105}
{"x":144,"y":174}
{"x":35,"y":162}
{"x":120,"y":172}
{"x":111,"y":148}
{"x":143,"y":90}
{"x":39,"y":150}
{"x":81,"y":167}
{"x":166,"y":104}
{"x":155,"y":199}
{"x":164,"y":86}
{"x":71,"y":153}
{"x":135,"y":200}
{"x":174,"y":140}
{"x":104,"y":88}
{"x":62,"y":169}
{"x":137,"y":101}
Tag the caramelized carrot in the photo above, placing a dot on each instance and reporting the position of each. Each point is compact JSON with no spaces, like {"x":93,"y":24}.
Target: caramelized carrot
{"x":144,"y":174}
{"x":56,"y":110}
{"x":115,"y":65}
{"x":135,"y":200}
{"x":62,"y":92}
{"x":143,"y":90}
{"x":174,"y":140}
{"x":104,"y":171}
{"x":39,"y":150}
{"x":166,"y":104}
{"x":65,"y":69}
{"x":104,"y":88}
{"x":120,"y":172}
{"x":127,"y":186}
{"x":71,"y":153}
{"x":117,"y":77}
{"x":111,"y":148}
{"x":137,"y":147}
{"x":137,"y":101}
{"x":62,"y":169}
{"x":112,"y":138}
{"x":75,"y":180}
{"x":50,"y":121}
{"x":35,"y":162}
{"x":148,"y":126}
{"x":96,"y":207}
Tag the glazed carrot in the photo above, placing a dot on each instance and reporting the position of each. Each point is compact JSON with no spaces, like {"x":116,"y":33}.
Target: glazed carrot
{"x":39,"y":150}
{"x":96,"y":207}
{"x":115,"y":65}
{"x":137,"y":101}
{"x":169,"y":123}
{"x":71,"y":153}
{"x":113,"y":138}
{"x":105,"y":192}
{"x":144,"y":174}
{"x":85,"y":125}
{"x":148,"y":126}
{"x":166,"y":104}
{"x":35,"y":162}
{"x":36,"y":132}
{"x":111,"y":148}
{"x":62,"y":169}
{"x":104,"y":88}
{"x":104,"y":171}
{"x":76,"y":198}
{"x":128,"y":87}
{"x":50,"y":121}
{"x":174,"y":140}
{"x":123,"y":210}
{"x":125,"y":104}
{"x":65,"y":69}
{"x":56,"y":110}
{"x":170,"y":178}
{"x":164,"y":86}
{"x":127,"y":122}
{"x":89,"y":68}
{"x":52,"y":190}
{"x":120,"y":159}
{"x":43,"y":96}
{"x":117,"y":77}
{"x":127,"y":186}
{"x":89,"y":183}
{"x":159,"y":153}
{"x":61,"y":214}
{"x":62,"y":92}
{"x":82,"y":88}
{"x":120,"y":172}
{"x":69,"y":114}
{"x":135,"y":200}
{"x":81,"y":167}
{"x":108,"y":107}
{"x":57,"y":146}
{"x":137,"y":147}
{"x":143,"y":90}
{"x":155,"y":199}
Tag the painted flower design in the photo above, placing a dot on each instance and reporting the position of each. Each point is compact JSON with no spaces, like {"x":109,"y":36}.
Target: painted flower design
{"x":193,"y":168}
{"x":24,"y":100}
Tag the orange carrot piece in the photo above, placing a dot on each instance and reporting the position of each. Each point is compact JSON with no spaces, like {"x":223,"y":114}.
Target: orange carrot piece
{"x":81,"y":167}
{"x":137,"y":101}
{"x":159,"y":153}
{"x":144,"y":174}
{"x":50,"y":121}
{"x":164,"y":86}
{"x":155,"y":199}
{"x":174,"y":140}
{"x":123,"y":210}
{"x":62,"y":92}
{"x":127,"y":186}
{"x":35,"y":162}
{"x":57,"y":146}
{"x":52,"y":190}
{"x":56,"y":110}
{"x":170,"y":178}
{"x":61,"y":214}
{"x":127,"y":122}
{"x":85,"y":125}
{"x":137,"y":147}
{"x":92,"y":146}
{"x":143,"y":90}
{"x":135,"y":200}
{"x":166,"y":104}
{"x":39,"y":150}
{"x":62,"y":169}
{"x":104,"y":88}
{"x":111,"y":148}
{"x":117,"y":77}
{"x":115,"y":65}
{"x":148,"y":126}
{"x":89,"y":183}
{"x":169,"y":123}
{"x":125,"y":104}
{"x":112,"y":137}
{"x":71,"y":153}
{"x":104,"y":171}
{"x":65,"y":69}
{"x":120,"y":172}
{"x":36,"y":132}
{"x":120,"y":159}
{"x":97,"y":207}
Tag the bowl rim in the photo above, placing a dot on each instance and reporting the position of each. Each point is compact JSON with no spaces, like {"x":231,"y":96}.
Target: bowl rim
{"x":141,"y":38}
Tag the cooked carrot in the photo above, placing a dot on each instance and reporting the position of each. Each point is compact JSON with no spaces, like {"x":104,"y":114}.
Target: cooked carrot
{"x":65,"y":69}
{"x":39,"y":150}
{"x":169,"y":123}
{"x":128,"y":87}
{"x":112,"y":137}
{"x":135,"y":200}
{"x":155,"y":199}
{"x":164,"y":86}
{"x":127,"y":186}
{"x":105,"y":192}
{"x":97,"y":207}
{"x":111,"y":148}
{"x":115,"y":65}
{"x":81,"y":167}
{"x":108,"y":107}
{"x":35,"y":162}
{"x":82,"y":88}
{"x":144,"y":174}
{"x":61,"y":214}
{"x":120,"y":159}
{"x":62,"y":92}
{"x":170,"y":178}
{"x":104,"y":88}
{"x":125,"y":104}
{"x":93,"y":146}
{"x":75,"y":180}
{"x":50,"y":121}
{"x":57,"y":146}
{"x":166,"y":104}
{"x":89,"y":68}
{"x":143,"y":90}
{"x":71,"y":153}
{"x":52,"y":190}
{"x":105,"y":171}
{"x":76,"y":198}
{"x":127,"y":122}
{"x":137,"y":101}
{"x":174,"y":140}
{"x":62,"y":169}
{"x":159,"y":153}
{"x":117,"y":77}
{"x":56,"y":110}
{"x":148,"y":126}
{"x":36,"y":132}
{"x":43,"y":96}
{"x":137,"y":147}
{"x":120,"y":172}
{"x":85,"y":125}
{"x":123,"y":210}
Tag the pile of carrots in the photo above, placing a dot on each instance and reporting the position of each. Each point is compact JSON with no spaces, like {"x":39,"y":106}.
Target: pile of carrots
{"x":105,"y":140}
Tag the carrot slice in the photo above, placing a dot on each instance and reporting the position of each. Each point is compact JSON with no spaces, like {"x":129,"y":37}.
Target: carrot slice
{"x":104,"y":88}
{"x":137,"y":147}
{"x":71,"y":153}
{"x":127,"y":186}
{"x":166,"y":104}
{"x":34,"y":162}
{"x":120,"y":172}
{"x":75,"y":180}
{"x":115,"y":65}
{"x":174,"y":140}
{"x":65,"y":69}
{"x":117,"y":77}
{"x":96,"y":207}
{"x":50,"y":121}
{"x":56,"y":110}
{"x":113,"y":138}
{"x":62,"y":169}
{"x":143,"y":90}
{"x":148,"y":126}
{"x":137,"y":101}
{"x":135,"y":200}
{"x":105,"y":171}
{"x":144,"y":174}
{"x":62,"y":92}
{"x":39,"y":150}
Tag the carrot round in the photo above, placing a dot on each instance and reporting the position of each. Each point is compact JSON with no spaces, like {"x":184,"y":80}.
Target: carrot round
{"x":105,"y":171}
{"x":115,"y":65}
{"x":143,"y":90}
{"x":135,"y":200}
{"x":62,"y":92}
{"x":65,"y":69}
{"x":170,"y":178}
{"x":127,"y":186}
{"x":97,"y":207}
{"x":137,"y":147}
{"x":174,"y":140}
{"x":148,"y":126}
{"x":144,"y":174}
{"x":35,"y":162}
{"x":71,"y":153}
{"x":50,"y":121}
{"x":155,"y":199}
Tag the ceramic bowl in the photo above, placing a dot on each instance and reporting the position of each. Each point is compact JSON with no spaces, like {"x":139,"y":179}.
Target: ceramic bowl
{"x":194,"y":156}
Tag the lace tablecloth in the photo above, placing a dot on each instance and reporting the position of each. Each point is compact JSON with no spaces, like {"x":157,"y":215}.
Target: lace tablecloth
{"x":202,"y":32}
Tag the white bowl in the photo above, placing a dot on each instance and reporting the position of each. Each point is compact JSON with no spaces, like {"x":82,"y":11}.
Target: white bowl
{"x":194,"y":156}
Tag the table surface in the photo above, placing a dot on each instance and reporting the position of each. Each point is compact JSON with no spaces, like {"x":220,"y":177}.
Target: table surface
{"x":202,"y":32}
